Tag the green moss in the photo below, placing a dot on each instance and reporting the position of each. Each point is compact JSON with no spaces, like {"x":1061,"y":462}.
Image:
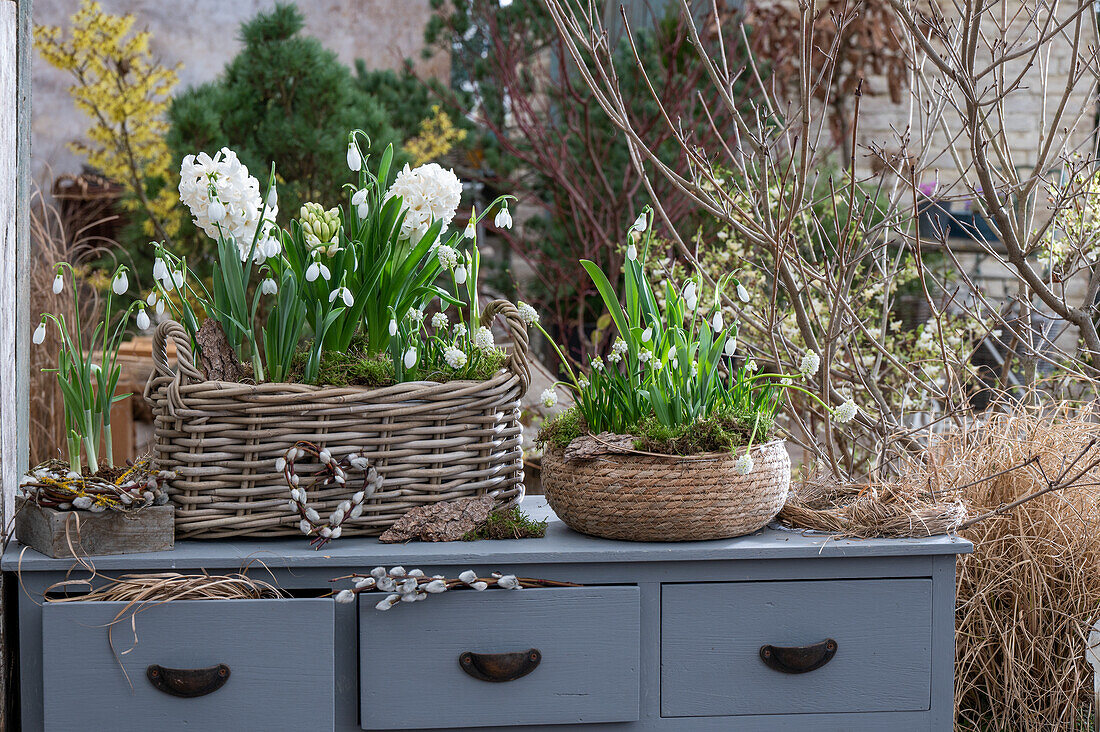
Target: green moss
{"x":721,"y":432}
{"x":357,"y":367}
{"x":510,"y":524}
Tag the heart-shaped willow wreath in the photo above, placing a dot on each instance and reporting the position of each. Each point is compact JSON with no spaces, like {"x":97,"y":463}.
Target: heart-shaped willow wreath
{"x":335,"y":472}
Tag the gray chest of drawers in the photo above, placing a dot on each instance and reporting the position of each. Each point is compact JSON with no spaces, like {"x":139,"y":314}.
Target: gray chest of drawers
{"x":702,"y":636}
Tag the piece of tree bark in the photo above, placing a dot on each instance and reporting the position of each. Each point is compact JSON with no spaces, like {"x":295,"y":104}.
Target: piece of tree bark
{"x":587,"y":447}
{"x":447,"y":521}
{"x":219,"y":361}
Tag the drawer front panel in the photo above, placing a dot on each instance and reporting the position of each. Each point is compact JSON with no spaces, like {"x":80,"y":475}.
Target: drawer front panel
{"x":711,"y":636}
{"x":586,"y":637}
{"x":279,"y":655}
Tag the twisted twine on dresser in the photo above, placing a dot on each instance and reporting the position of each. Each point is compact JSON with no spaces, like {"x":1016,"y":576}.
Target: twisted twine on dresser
{"x":646,"y":497}
{"x":428,"y":441}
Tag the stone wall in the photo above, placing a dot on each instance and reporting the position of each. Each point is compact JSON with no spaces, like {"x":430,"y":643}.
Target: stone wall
{"x":202,"y":35}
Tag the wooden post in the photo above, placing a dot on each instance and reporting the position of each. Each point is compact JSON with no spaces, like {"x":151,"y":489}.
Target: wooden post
{"x":15,"y":124}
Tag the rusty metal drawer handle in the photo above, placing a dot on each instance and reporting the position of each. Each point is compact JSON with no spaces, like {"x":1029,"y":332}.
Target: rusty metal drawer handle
{"x":500,"y":666}
{"x":798,"y":659}
{"x":187,"y":682}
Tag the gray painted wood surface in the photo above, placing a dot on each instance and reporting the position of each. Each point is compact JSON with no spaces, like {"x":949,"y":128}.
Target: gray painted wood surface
{"x":279,"y":653}
{"x":59,"y":533}
{"x":770,"y":556}
{"x":588,"y":638}
{"x":711,"y":636}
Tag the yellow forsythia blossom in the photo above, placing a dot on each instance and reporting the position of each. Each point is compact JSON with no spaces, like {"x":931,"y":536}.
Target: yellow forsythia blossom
{"x":126,"y":93}
{"x":438,"y":135}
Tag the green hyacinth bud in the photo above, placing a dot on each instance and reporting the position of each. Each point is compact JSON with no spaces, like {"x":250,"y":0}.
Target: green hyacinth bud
{"x":319,"y":224}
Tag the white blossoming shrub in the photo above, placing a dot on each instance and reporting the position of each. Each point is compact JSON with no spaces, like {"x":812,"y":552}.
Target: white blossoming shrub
{"x":428,"y":193}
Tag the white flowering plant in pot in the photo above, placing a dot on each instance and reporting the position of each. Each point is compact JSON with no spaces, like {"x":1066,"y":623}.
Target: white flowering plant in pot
{"x":672,"y":377}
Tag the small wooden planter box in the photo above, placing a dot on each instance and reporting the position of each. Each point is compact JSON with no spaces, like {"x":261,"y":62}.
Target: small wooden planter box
{"x":50,"y":532}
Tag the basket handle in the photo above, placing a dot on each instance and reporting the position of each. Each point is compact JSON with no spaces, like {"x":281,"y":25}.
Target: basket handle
{"x":185,"y":370}
{"x":521,"y":343}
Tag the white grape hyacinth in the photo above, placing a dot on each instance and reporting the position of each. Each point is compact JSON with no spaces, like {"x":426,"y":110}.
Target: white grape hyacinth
{"x":483,"y":339}
{"x":428,"y":193}
{"x":809,"y":364}
{"x":528,"y":313}
{"x":846,"y":412}
{"x":455,"y":357}
{"x":743,"y":465}
{"x":439,"y":321}
{"x":223,"y":198}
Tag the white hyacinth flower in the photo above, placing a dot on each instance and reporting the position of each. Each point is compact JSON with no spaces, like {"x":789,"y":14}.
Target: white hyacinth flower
{"x":344,"y":597}
{"x":355,"y":158}
{"x":503,"y":219}
{"x":846,"y":412}
{"x":58,"y":284}
{"x":528,"y":313}
{"x":743,"y":465}
{"x":468,"y":577}
{"x":121,"y":283}
{"x":455,"y":357}
{"x":224,"y":199}
{"x":410,"y":358}
{"x":548,"y":397}
{"x":142,"y":320}
{"x":428,"y":193}
{"x":809,"y":364}
{"x":460,"y":274}
{"x":269,"y":286}
{"x":483,"y":339}
{"x":39,"y":334}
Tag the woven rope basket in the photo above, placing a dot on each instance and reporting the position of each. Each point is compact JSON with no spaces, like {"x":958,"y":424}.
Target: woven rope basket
{"x":646,"y":498}
{"x":430,"y":442}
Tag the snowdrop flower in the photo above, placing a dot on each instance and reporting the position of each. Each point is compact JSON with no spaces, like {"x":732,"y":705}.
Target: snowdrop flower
{"x":672,"y":353}
{"x":272,"y":200}
{"x":142,"y":320}
{"x":809,"y":364}
{"x":717,"y":323}
{"x":742,"y":293}
{"x":316,"y":270}
{"x":454,"y":357}
{"x":691,"y":296}
{"x":410,"y":358}
{"x":639,"y":224}
{"x":460,"y":330}
{"x":439,"y":321}
{"x":503,"y":219}
{"x":468,"y":577}
{"x":151,"y":300}
{"x":460,"y":275}
{"x":121,"y":283}
{"x":548,"y":397}
{"x":528,"y":313}
{"x":730,"y":347}
{"x":355,"y":158}
{"x":743,"y":465}
{"x":216,"y":211}
{"x":39,"y":333}
{"x":269,"y":286}
{"x":447,"y":256}
{"x":344,"y":596}
{"x":471,"y":229}
{"x":359,"y":200}
{"x":631,"y":252}
{"x":428,"y":193}
{"x":160,"y":269}
{"x":751,"y":366}
{"x":846,"y":412}
{"x":508,"y":582}
{"x":647,"y":334}
{"x":58,"y":284}
{"x":483,"y":339}
{"x":393,"y":327}
{"x":344,"y":294}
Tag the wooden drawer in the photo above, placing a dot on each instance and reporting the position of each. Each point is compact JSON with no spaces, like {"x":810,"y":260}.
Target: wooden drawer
{"x":279,"y":654}
{"x":712,"y":634}
{"x":411,"y":677}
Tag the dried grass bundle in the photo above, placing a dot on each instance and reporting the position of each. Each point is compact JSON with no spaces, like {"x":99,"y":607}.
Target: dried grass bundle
{"x":153,"y":589}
